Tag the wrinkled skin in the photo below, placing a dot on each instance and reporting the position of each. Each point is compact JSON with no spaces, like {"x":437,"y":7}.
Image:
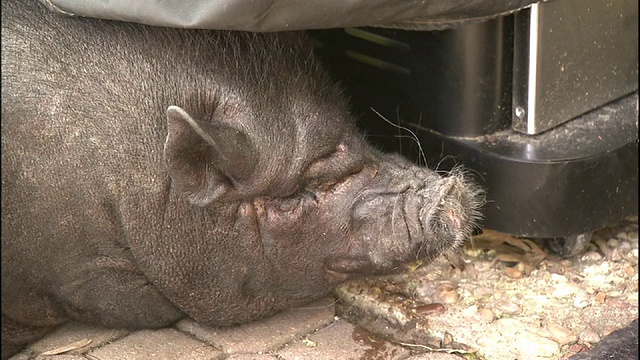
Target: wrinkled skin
{"x":150,"y":174}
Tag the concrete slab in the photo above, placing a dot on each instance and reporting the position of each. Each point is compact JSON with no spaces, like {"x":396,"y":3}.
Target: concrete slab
{"x":268,"y":334}
{"x":24,"y":356}
{"x":342,"y":340}
{"x":252,"y":357}
{"x":74,"y":332}
{"x":434,"y":356}
{"x":165,"y":344}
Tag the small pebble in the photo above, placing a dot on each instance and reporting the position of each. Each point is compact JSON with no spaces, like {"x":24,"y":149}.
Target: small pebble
{"x":471,"y":252}
{"x":622,"y":235}
{"x":470,"y":311}
{"x":471,"y":274}
{"x":532,"y":346}
{"x":447,"y":339}
{"x":481,"y":291}
{"x":601,"y":297}
{"x":591,"y":256}
{"x":615,"y":302}
{"x":589,"y":337}
{"x":615,"y":294}
{"x":566,"y":263}
{"x":482,"y":266}
{"x":608,"y":330}
{"x":615,"y":255}
{"x":465,"y":293}
{"x":426,"y":292}
{"x":613,"y":243}
{"x":624,"y":246}
{"x":431,"y":309}
{"x":487,"y":315}
{"x":561,"y":334}
{"x":565,"y":289}
{"x":456,"y":273}
{"x":508,"y":307}
{"x":513,"y":273}
{"x":449,"y":296}
{"x":398,"y":297}
{"x":558,"y":278}
{"x":629,"y":270}
{"x":632,"y":236}
{"x":309,"y":343}
{"x":576,"y":348}
{"x":580,"y":302}
{"x":490,"y":276}
{"x":597,"y":281}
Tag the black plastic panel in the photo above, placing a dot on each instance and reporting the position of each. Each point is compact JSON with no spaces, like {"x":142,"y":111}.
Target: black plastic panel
{"x":573,"y":179}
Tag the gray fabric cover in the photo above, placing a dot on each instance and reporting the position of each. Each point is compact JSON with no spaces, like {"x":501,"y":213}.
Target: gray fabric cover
{"x":281,"y":15}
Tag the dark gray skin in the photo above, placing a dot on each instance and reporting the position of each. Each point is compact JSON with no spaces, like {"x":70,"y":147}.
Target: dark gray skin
{"x":151,"y":174}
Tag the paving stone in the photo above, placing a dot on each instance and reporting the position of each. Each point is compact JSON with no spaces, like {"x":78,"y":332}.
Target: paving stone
{"x":165,"y":344}
{"x":20,"y":356}
{"x":24,"y":356}
{"x":268,"y":334}
{"x":72,"y":332}
{"x":342,"y":340}
{"x":434,"y":356}
{"x":252,"y":357}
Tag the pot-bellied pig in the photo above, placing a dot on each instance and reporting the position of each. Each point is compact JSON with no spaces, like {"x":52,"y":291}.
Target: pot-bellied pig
{"x":150,"y":174}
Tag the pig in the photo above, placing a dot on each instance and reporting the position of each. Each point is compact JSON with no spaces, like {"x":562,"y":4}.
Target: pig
{"x":151,"y":174}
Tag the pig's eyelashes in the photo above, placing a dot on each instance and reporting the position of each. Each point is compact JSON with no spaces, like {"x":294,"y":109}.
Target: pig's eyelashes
{"x":288,"y":204}
{"x":311,"y":194}
{"x":296,"y":201}
{"x":326,"y":186}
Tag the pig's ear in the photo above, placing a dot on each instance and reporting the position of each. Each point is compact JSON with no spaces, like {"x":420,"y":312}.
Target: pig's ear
{"x":206,"y":160}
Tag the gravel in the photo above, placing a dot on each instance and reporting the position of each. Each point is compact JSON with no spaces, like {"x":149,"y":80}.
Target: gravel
{"x":513,"y":299}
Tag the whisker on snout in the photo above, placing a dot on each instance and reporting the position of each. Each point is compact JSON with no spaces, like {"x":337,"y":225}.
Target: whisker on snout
{"x":413,"y":136}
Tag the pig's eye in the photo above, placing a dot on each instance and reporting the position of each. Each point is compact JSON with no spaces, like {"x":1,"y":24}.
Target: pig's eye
{"x":310,"y":194}
{"x":288,"y":204}
{"x":327,"y":186}
{"x":297,"y":200}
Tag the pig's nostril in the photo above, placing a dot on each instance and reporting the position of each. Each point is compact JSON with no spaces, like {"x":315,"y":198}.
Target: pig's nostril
{"x":449,"y":218}
{"x":455,"y":215}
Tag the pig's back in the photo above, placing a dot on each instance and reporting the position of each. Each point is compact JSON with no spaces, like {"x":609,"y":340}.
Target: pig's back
{"x":78,"y":129}
{"x":83,"y":129}
{"x":82,"y":133}
{"x":71,"y":100}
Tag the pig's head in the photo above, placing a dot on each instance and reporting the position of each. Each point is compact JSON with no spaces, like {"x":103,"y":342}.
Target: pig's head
{"x":321,"y":217}
{"x":324,"y":205}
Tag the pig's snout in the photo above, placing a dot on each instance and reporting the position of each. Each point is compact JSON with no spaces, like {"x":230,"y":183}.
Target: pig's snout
{"x":448,"y":218}
{"x":419,"y":222}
